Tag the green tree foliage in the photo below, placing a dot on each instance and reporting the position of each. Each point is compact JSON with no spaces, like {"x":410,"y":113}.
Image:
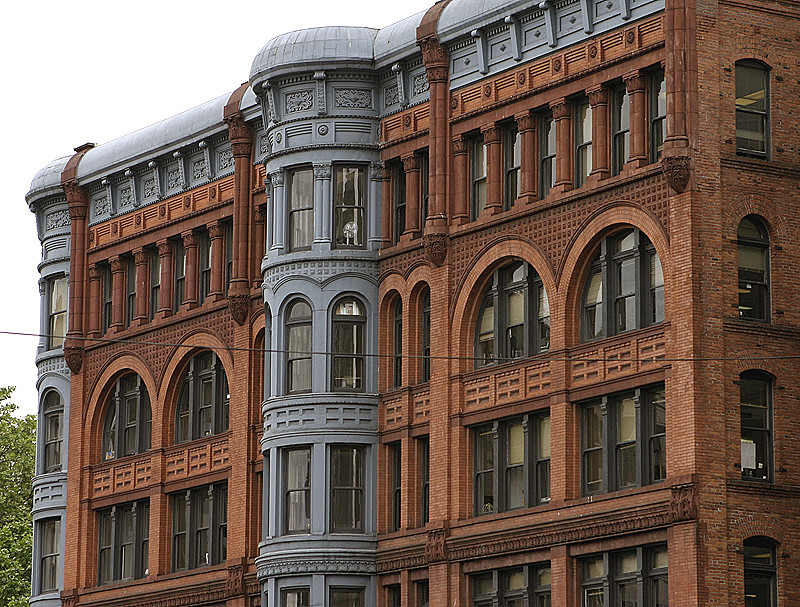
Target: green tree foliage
{"x":17,"y":455}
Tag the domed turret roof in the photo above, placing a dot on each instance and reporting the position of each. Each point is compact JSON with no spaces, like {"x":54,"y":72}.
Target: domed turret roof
{"x":47,"y":180}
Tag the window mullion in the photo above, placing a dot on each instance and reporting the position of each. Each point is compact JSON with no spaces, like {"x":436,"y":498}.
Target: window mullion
{"x":499,"y":498}
{"x":607,"y":304}
{"x":188,"y":546}
{"x":528,"y":424}
{"x":115,"y":547}
{"x":606,"y":441}
{"x":193,"y":387}
{"x":641,"y":565}
{"x":641,"y":439}
{"x":639,"y":295}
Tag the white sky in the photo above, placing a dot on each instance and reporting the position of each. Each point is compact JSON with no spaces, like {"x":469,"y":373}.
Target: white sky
{"x":93,"y":70}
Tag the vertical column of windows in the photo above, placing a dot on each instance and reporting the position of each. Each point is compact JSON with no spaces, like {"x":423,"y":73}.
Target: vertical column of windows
{"x":620,"y":129}
{"x":57,"y":313}
{"x":397,"y":343}
{"x":179,"y":273}
{"x":425,"y":336}
{"x":423,"y":455}
{"x":203,"y":264}
{"x":155,"y":283}
{"x":396,"y":462}
{"x":398,"y":202}
{"x":347,"y":489}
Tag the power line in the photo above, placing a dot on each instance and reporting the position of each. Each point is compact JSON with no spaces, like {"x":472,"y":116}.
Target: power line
{"x":537,"y":358}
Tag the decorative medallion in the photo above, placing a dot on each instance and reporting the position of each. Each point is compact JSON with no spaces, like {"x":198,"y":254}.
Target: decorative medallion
{"x":322,"y":129}
{"x":278,"y":137}
{"x":521,"y":77}
{"x":102,"y":205}
{"x":487,"y":90}
{"x":353,"y":98}
{"x":630,"y":36}
{"x":593,"y":50}
{"x":57,"y":219}
{"x":391,"y":95}
{"x":299,"y":101}
{"x":138,"y":220}
{"x":407,"y":120}
{"x":556,"y":65}
{"x":225,"y":159}
{"x":187,"y":201}
{"x":149,"y":187}
{"x":435,"y":247}
{"x":419,"y":84}
{"x":677,"y":171}
{"x":454,"y":103}
{"x":162,"y":210}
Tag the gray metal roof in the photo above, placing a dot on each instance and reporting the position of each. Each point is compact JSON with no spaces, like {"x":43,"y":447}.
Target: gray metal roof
{"x":189,"y":126}
{"x":398,"y":39}
{"x":315,"y":48}
{"x":462,"y":16}
{"x":48,"y":180}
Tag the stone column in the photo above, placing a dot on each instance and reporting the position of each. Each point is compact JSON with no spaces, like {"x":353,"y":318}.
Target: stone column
{"x":117,"y":294}
{"x":598,"y":100}
{"x":140,"y":256}
{"x":386,"y":205}
{"x":562,"y":115}
{"x":279,"y":209}
{"x":494,"y":168}
{"x":436,"y":60}
{"x":167,"y":278}
{"x":528,"y":170}
{"x":636,"y":85}
{"x":190,"y":280}
{"x":322,"y":202}
{"x":460,"y":179}
{"x":411,"y":167}
{"x":215,"y":233}
{"x":78,"y":201}
{"x":375,"y":210}
{"x":259,"y":225}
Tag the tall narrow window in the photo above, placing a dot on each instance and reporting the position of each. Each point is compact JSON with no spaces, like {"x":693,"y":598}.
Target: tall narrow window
{"x":397,"y":343}
{"x":423,"y":453}
{"x":347,"y":489}
{"x":49,"y":550}
{"x":397,"y":466}
{"x":424,"y":181}
{"x":755,"y":390}
{"x":583,"y":141}
{"x":127,"y":424}
{"x":130,"y":291}
{"x":179,"y":260}
{"x":227,"y":234}
{"x":124,"y":541}
{"x":624,"y":288}
{"x":53,"y":421}
{"x":512,"y":151}
{"x":200,"y":527}
{"x":752,"y":108}
{"x":204,"y":400}
{"x":203,"y":264}
{"x":57,"y":322}
{"x":514,"y":319}
{"x":620,"y":126}
{"x":297,"y":490}
{"x":547,"y":154}
{"x":753,"y":255}
{"x":484,"y":471}
{"x":658,"y":115}
{"x":349,"y":195}
{"x":347,"y":342}
{"x":106,"y":295}
{"x":298,"y":346}
{"x":477,"y":176}
{"x":155,"y":283}
{"x":760,"y":572}
{"x":398,"y":202}
{"x":425,"y":336}
{"x":301,"y":209}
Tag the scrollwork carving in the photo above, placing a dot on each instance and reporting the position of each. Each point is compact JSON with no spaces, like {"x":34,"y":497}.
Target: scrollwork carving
{"x":240,"y":308}
{"x":435,"y":247}
{"x":677,"y":171}
{"x":435,"y":547}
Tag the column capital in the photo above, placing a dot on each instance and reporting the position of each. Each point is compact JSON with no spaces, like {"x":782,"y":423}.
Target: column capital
{"x":561,"y":108}
{"x":140,"y":256}
{"x":598,"y":95}
{"x":635,"y":81}
{"x":460,"y":145}
{"x":491,"y":133}
{"x":526,"y":121}
{"x":117,"y":264}
{"x":189,"y":239}
{"x":410,"y":162}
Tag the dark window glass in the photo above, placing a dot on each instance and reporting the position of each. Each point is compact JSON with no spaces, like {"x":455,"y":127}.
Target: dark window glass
{"x":298,"y":346}
{"x":755,"y":390}
{"x":753,"y":260}
{"x":203,"y":264}
{"x":424,"y":180}
{"x":397,"y":466}
{"x":397,"y":344}
{"x":57,"y":321}
{"x":347,"y":489}
{"x":179,"y":261}
{"x":525,"y":586}
{"x":547,"y":154}
{"x":227,"y":235}
{"x":629,"y":578}
{"x":583,"y":141}
{"x":658,"y":115}
{"x":512,"y":152}
{"x":760,"y":572}
{"x":124,"y":541}
{"x":106,"y":295}
{"x":295,"y":597}
{"x":127,"y":423}
{"x":130,"y":291}
{"x":199,"y":527}
{"x":398,"y":202}
{"x":424,"y":479}
{"x":347,"y":340}
{"x":752,"y":108}
{"x":204,"y":400}
{"x":620,"y":126}
{"x":155,"y":283}
{"x":301,"y":209}
{"x":49,"y":553}
{"x":477,"y":175}
{"x":53,"y":421}
{"x":347,"y":597}
{"x":297,"y":476}
{"x":425,"y":337}
{"x":348,"y":198}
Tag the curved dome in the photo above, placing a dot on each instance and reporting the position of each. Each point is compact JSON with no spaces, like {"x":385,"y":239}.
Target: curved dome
{"x":398,"y":38}
{"x":47,"y":179}
{"x":334,"y":46}
{"x":462,"y":16}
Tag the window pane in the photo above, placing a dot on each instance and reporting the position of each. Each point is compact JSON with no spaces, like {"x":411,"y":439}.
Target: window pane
{"x":349,"y":202}
{"x":751,"y":88}
{"x":346,"y":597}
{"x":593,"y":427}
{"x":295,"y":597}
{"x":593,"y":303}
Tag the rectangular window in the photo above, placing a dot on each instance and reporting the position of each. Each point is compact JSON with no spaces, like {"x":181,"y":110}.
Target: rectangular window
{"x":547,"y":153}
{"x":297,"y":490}
{"x":477,"y":176}
{"x":124,"y":541}
{"x":199,"y":527}
{"x":620,"y":129}
{"x":398,"y":202}
{"x":423,"y":593}
{"x":301,"y":209}
{"x":635,"y":577}
{"x":397,"y":344}
{"x":395,"y":457}
{"x":752,"y":108}
{"x":583,"y":141}
{"x":755,"y":391}
{"x":424,"y":180}
{"x":179,"y":259}
{"x":623,"y":440}
{"x":512,"y":464}
{"x":423,"y":453}
{"x":53,"y":432}
{"x":512,"y":152}
{"x":227,"y":235}
{"x":57,"y":322}
{"x":347,"y":597}
{"x":106,"y":294}
{"x":658,"y":115}
{"x":203,"y":264}
{"x":130,"y":291}
{"x":347,"y":490}
{"x":349,"y":196}
{"x":49,"y":553}
{"x":155,"y":283}
{"x":528,"y":585}
{"x":295,"y":597}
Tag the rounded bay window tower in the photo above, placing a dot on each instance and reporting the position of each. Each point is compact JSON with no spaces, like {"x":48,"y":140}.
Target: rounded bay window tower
{"x":318,"y":91}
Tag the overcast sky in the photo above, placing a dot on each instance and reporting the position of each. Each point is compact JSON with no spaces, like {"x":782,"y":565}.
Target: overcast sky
{"x":91,"y":70}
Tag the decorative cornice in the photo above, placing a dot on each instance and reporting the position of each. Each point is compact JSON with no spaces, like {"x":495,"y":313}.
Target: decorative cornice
{"x":304,"y":566}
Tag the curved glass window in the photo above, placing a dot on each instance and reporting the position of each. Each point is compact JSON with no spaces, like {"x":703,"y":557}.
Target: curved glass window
{"x":301,"y":209}
{"x":127,"y":425}
{"x":514,"y":319}
{"x":753,"y":261}
{"x":204,"y":399}
{"x":347,"y":342}
{"x":53,"y":418}
{"x":624,"y":289}
{"x":298,"y":346}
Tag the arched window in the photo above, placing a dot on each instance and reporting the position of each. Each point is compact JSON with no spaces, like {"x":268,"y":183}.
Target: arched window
{"x":752,"y":108}
{"x":625,"y":286}
{"x":397,"y":343}
{"x":204,"y":399}
{"x":753,"y":259}
{"x":127,"y":425}
{"x":298,"y":346}
{"x":514,"y":319}
{"x":760,"y":571}
{"x":425,"y":335}
{"x":53,"y":421}
{"x":347,"y":341}
{"x":755,"y":390}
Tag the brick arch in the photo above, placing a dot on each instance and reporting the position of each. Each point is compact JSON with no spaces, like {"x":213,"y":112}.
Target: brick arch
{"x":760,"y":525}
{"x":386,"y":305}
{"x":604,"y":222}
{"x":468,"y":293}
{"x":117,"y":367}
{"x":760,"y":206}
{"x":170,"y":384}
